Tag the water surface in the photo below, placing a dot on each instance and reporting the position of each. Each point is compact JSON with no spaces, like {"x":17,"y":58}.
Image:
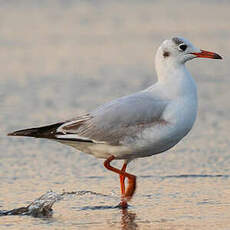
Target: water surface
{"x":62,"y":58}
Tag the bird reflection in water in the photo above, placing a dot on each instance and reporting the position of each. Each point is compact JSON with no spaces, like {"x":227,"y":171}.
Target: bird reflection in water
{"x":128,"y":220}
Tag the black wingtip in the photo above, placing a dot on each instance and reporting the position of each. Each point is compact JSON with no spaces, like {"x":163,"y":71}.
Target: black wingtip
{"x":10,"y":134}
{"x":39,"y":132}
{"x":20,"y":133}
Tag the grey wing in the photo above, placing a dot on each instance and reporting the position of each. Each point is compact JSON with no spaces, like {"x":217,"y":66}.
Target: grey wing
{"x":121,"y":118}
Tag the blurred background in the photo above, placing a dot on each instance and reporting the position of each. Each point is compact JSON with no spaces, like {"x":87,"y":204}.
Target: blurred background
{"x":61,"y":58}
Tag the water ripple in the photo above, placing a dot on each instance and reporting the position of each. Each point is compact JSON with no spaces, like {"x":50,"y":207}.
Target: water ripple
{"x":189,"y":176}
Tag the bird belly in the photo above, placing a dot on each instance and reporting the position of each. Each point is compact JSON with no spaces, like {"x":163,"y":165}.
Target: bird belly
{"x":100,"y":150}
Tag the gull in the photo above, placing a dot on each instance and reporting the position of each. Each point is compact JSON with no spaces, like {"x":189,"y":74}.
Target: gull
{"x":142,"y":124}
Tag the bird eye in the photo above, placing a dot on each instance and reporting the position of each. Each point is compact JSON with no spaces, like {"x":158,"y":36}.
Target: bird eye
{"x":182,"y":47}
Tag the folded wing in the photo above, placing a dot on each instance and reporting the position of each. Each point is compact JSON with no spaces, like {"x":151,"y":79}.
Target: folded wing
{"x":113,"y":122}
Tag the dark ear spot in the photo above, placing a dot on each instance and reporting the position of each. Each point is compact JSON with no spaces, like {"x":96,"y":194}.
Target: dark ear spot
{"x":177,"y":41}
{"x":166,"y":54}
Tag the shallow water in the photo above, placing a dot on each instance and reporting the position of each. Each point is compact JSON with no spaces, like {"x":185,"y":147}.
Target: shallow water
{"x":62,"y":58}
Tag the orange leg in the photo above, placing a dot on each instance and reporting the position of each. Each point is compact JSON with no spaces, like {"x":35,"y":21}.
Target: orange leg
{"x":131,"y":181}
{"x":122,"y":179}
{"x":122,"y":182}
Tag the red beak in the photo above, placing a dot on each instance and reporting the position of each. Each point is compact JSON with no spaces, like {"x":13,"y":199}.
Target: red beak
{"x":207,"y":54}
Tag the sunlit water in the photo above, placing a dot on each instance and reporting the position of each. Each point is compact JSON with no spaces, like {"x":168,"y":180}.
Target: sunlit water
{"x":62,"y":58}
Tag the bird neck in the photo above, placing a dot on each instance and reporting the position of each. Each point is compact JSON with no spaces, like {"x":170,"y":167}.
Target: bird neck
{"x":176,"y":79}
{"x":168,"y":69}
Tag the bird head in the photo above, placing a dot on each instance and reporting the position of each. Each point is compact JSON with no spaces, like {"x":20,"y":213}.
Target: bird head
{"x":179,"y":50}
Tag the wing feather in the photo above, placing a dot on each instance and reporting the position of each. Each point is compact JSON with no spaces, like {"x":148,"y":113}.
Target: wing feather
{"x":111,"y":123}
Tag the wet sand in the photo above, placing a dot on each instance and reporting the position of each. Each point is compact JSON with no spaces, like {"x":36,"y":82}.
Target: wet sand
{"x":59,"y":59}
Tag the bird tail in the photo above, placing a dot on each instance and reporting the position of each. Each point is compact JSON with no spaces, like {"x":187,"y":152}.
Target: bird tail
{"x":48,"y":131}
